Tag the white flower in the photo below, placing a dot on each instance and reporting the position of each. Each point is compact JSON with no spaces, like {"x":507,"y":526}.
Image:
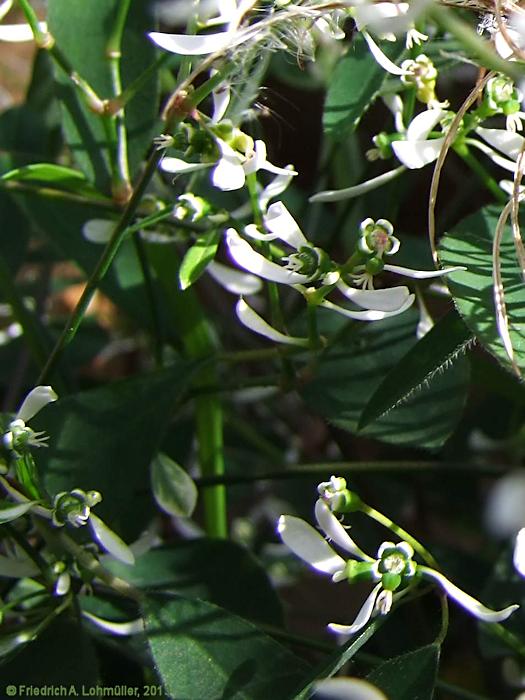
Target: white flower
{"x":19,"y":434}
{"x":251,"y":320}
{"x":393,"y":567}
{"x":202,"y":44}
{"x":518,"y":557}
{"x":417,"y":150}
{"x":387,"y":20}
{"x":346,"y":689}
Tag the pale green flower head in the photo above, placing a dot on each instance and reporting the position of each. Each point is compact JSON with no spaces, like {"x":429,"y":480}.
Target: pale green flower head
{"x":74,"y":507}
{"x":377,"y":238}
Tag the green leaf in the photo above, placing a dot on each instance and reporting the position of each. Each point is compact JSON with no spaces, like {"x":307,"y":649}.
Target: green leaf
{"x":57,"y":175}
{"x":328,"y":667}
{"x":197,"y":258}
{"x":353,"y":369}
{"x":105,"y":439}
{"x":173,"y":488}
{"x":63,"y":655}
{"x":354,"y":85}
{"x":470,"y":244}
{"x":218,"y":655}
{"x":82,"y":30}
{"x":411,"y":675}
{"x":433,"y":354}
{"x":190,"y":569}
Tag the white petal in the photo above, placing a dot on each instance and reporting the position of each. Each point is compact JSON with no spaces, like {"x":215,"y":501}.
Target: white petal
{"x":118,"y":628}
{"x":252,"y":261}
{"x":177,"y":166}
{"x":98,"y":230}
{"x":234,"y":281}
{"x":357,"y":190}
{"x":19,"y":32}
{"x":5,"y":6}
{"x":420,"y":127}
{"x":507,"y":142}
{"x":221,"y":99}
{"x":518,"y":557}
{"x":417,"y":154}
{"x":228,"y":174}
{"x":282,"y":224}
{"x":378,"y":299}
{"x":333,"y":529}
{"x":381,"y":58}
{"x":37,"y":398}
{"x":421,"y":274}
{"x":308,"y":545}
{"x":15,"y":511}
{"x":368,"y":315}
{"x":470,"y":604}
{"x":110,"y":541}
{"x":494,"y":156}
{"x":346,"y":689}
{"x":377,"y":15}
{"x":258,"y":158}
{"x":249,"y":318}
{"x":193,"y":44}
{"x":363,"y":616}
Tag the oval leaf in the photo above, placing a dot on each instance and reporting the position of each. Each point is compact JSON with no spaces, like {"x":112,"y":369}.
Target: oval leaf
{"x":174,"y":490}
{"x":12,"y":512}
{"x":197,"y":258}
{"x":110,"y":541}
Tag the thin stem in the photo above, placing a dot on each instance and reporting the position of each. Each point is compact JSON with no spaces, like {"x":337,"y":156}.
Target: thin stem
{"x":483,"y":175}
{"x":121,"y":178}
{"x":443,"y":601}
{"x":400,"y":532}
{"x":118,"y":235}
{"x":47,"y":42}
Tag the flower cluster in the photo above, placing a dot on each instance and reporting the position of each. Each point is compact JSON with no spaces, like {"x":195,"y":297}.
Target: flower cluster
{"x":393,"y":569}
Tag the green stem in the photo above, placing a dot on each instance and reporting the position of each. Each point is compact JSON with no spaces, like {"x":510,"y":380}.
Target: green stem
{"x":506,"y":636}
{"x":45,"y":41}
{"x":400,"y":532}
{"x":443,"y":600}
{"x":121,"y":178}
{"x":118,"y":235}
{"x":483,"y":175}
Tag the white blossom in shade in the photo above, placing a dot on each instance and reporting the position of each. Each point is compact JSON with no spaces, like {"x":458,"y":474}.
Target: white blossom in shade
{"x":232,"y":168}
{"x":221,"y":99}
{"x":506,"y":142}
{"x":5,"y":7}
{"x":233,"y":281}
{"x":250,"y":260}
{"x":417,"y":150}
{"x":393,"y":568}
{"x":110,"y":541}
{"x":379,"y":299}
{"x":19,"y":434}
{"x":381,"y":58}
{"x":231,"y":13}
{"x":343,"y":688}
{"x":370,"y":314}
{"x":177,"y":166}
{"x":116,"y":628}
{"x":358,"y":190}
{"x":470,"y":604}
{"x":98,"y":230}
{"x":251,"y":320}
{"x":518,"y":557}
{"x":421,"y":274}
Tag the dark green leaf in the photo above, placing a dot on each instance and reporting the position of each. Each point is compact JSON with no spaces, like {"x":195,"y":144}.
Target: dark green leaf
{"x":336,"y":660}
{"x":355,"y":84}
{"x":411,"y":675}
{"x":353,"y":369}
{"x":433,"y":354}
{"x":198,"y":257}
{"x":105,"y":439}
{"x":202,"y":651}
{"x":81,"y":30}
{"x":470,"y":244}
{"x":49,"y":659}
{"x":191,"y":568}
